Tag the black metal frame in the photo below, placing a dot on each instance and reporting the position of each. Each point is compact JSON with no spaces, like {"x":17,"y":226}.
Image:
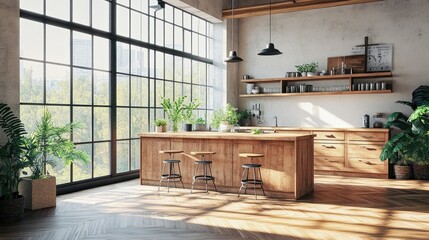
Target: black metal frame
{"x":114,"y":40}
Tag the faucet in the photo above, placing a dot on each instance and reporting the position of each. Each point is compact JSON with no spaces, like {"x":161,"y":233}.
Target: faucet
{"x":275,"y":117}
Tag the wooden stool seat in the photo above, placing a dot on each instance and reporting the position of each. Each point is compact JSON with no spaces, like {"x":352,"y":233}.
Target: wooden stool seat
{"x":250,"y":155}
{"x":170,"y":151}
{"x":202,"y":153}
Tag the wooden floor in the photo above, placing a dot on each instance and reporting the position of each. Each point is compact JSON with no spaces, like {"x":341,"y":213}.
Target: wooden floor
{"x":340,"y":208}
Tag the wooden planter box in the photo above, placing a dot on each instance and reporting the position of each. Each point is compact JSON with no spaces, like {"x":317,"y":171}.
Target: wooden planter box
{"x":39,"y":193}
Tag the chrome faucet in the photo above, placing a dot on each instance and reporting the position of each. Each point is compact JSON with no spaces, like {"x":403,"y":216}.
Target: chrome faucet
{"x":276,"y":120}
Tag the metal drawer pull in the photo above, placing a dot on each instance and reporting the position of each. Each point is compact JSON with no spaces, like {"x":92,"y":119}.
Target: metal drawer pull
{"x":367,"y":162}
{"x":370,"y":148}
{"x":330,"y":147}
{"x":330,"y":136}
{"x":333,"y":161}
{"x":367,"y":136}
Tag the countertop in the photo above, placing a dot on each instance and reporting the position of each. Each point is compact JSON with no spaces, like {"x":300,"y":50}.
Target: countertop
{"x":315,"y":129}
{"x":227,"y":135}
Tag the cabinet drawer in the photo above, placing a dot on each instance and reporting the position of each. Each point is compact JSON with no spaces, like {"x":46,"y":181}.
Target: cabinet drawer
{"x":367,"y":165}
{"x":329,"y":163}
{"x":367,"y":136}
{"x":329,"y":149}
{"x":322,"y":135}
{"x":365,"y":150}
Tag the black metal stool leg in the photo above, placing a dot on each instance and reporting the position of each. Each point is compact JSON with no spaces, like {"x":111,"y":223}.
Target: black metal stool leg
{"x":242,"y":178}
{"x":254,"y":183}
{"x":262,"y":183}
{"x":247,"y":178}
{"x":211,"y":174}
{"x":180,"y":173}
{"x":162,"y":172}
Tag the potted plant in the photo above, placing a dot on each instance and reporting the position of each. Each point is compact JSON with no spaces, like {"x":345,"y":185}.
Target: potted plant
{"x":188,"y":113}
{"x":411,"y":144}
{"x":224,"y":119}
{"x":200,"y":124}
{"x":44,"y":147}
{"x":307,"y":69}
{"x":244,"y":117}
{"x":174,"y":110}
{"x":161,"y":125}
{"x":11,"y":164}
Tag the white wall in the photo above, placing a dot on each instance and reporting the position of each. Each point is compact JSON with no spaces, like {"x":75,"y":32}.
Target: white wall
{"x":315,"y":35}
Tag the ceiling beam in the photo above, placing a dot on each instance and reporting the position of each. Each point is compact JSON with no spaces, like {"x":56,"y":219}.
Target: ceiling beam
{"x":288,"y":6}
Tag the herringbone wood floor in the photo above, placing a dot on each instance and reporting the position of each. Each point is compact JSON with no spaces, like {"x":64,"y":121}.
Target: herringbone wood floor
{"x":340,"y":208}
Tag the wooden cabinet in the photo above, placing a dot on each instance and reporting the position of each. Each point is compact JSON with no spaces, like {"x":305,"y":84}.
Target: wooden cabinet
{"x":349,"y":78}
{"x":347,"y":152}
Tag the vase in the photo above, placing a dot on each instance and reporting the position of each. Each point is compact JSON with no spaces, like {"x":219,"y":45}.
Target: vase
{"x":249,"y":88}
{"x":225,"y":127}
{"x":175,"y":126}
{"x":188,"y":127}
{"x":303,"y":74}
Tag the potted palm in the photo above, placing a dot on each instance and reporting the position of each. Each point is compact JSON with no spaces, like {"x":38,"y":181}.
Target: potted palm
{"x":224,"y":119}
{"x":11,"y":164}
{"x":420,"y":149}
{"x":44,"y":147}
{"x":161,"y":125}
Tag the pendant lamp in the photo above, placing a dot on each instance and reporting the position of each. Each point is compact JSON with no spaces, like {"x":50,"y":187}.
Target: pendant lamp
{"x":159,"y":6}
{"x":232,"y":57}
{"x":270,"y":49}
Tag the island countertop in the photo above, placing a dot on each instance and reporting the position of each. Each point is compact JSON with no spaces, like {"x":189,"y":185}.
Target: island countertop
{"x":287,"y":165}
{"x":230,"y":135}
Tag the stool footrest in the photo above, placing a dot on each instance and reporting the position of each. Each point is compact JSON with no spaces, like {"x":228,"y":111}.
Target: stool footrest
{"x":202,"y":177}
{"x":171,"y":176}
{"x":252,"y":181}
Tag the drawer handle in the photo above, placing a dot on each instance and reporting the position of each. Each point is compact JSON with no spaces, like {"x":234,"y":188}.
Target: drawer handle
{"x":330,"y":136}
{"x":370,"y":148}
{"x":330,"y":147}
{"x":333,"y":161}
{"x":367,"y":162}
{"x":367,"y":136}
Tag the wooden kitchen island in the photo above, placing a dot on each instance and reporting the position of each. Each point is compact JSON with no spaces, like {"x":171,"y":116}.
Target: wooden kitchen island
{"x":287,"y":167}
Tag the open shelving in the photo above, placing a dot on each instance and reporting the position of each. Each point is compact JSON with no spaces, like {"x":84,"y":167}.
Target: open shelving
{"x":350,"y":77}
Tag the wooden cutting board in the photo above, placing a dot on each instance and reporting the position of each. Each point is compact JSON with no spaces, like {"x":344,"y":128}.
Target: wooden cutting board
{"x":357,"y":62}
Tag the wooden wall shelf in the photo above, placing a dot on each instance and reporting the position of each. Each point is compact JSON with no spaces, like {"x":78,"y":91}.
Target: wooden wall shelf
{"x":349,"y":77}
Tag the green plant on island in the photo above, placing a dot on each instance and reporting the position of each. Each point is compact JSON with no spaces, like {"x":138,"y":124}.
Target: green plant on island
{"x":188,"y":111}
{"x":256,"y":131}
{"x":200,"y":120}
{"x":48,"y":144}
{"x":174,"y":110}
{"x":11,"y":161}
{"x":244,"y":117}
{"x":307,"y":67}
{"x":160,"y":122}
{"x":227,"y":115}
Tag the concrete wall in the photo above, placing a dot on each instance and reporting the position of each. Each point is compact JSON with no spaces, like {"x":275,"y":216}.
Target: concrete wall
{"x":9,"y":54}
{"x":210,"y":10}
{"x":314,"y":35}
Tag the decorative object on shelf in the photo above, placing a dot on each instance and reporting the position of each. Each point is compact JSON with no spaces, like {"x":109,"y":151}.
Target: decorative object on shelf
{"x":256,"y":112}
{"x":161,"y":125}
{"x":224,"y":119}
{"x":377,"y":123}
{"x":412,"y":142}
{"x":249,"y":88}
{"x":200,"y":124}
{"x":11,"y":164}
{"x":233,"y":57}
{"x":365,"y":121}
{"x":307,"y":69}
{"x":256,"y":90}
{"x":245,"y":76}
{"x":355,"y":63}
{"x":270,"y":49}
{"x":378,"y":56}
{"x":47,"y":146}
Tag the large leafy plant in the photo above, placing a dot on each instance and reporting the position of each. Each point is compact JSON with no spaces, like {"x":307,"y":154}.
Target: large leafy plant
{"x":188,"y":110}
{"x":11,"y":162}
{"x":412,"y":142}
{"x":174,"y":110}
{"x":227,"y":114}
{"x":48,"y":144}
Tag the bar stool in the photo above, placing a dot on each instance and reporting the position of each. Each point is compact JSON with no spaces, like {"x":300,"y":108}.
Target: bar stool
{"x":206,"y":174}
{"x":256,"y":180}
{"x":171,"y":175}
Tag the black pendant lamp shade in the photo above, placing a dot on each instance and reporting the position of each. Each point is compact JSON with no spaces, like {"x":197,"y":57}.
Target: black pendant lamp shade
{"x":270,"y":50}
{"x":232,"y":57}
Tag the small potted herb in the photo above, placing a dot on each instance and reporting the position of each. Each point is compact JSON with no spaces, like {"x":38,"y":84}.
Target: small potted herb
{"x":188,"y":113}
{"x":307,"y":69}
{"x":161,"y":125}
{"x":244,"y":117}
{"x":224,"y":119}
{"x":200,"y":124}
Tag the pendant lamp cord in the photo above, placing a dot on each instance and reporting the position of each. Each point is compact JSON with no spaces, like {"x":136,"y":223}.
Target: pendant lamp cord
{"x":270,"y":21}
{"x":232,"y":7}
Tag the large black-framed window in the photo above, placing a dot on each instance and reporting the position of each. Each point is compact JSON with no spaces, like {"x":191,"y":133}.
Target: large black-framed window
{"x":107,"y":64}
